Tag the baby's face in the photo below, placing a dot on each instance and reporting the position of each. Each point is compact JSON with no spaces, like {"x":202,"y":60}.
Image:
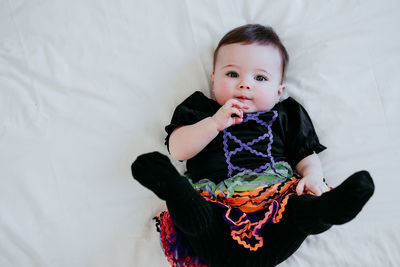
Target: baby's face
{"x":249,"y":73}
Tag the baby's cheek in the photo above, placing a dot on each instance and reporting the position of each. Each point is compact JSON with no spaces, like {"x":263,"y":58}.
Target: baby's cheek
{"x":223,"y":92}
{"x":265,"y":100}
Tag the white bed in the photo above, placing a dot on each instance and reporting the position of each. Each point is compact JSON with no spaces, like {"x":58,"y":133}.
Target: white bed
{"x":86,"y":86}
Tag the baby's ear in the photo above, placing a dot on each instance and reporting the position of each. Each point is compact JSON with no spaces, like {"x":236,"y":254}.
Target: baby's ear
{"x":281,"y":88}
{"x":212,"y":79}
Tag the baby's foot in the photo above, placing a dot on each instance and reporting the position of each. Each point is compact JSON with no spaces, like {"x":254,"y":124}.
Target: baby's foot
{"x":313,"y":215}
{"x":156,"y":172}
{"x":344,"y":202}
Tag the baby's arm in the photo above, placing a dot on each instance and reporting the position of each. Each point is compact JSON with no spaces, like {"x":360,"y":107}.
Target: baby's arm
{"x":311,"y":170}
{"x":186,"y":141}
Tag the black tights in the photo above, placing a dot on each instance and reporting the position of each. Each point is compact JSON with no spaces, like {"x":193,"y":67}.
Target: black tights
{"x":208,"y":234}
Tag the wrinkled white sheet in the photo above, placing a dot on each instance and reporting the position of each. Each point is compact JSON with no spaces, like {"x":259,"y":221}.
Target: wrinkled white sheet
{"x":86,"y":86}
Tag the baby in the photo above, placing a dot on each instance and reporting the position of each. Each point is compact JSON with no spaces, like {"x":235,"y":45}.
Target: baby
{"x":254,"y":187}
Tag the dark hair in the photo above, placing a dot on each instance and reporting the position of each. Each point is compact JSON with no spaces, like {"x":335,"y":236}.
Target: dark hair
{"x":258,"y":34}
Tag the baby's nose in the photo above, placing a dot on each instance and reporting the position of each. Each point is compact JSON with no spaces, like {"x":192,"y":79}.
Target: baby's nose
{"x":244,"y":87}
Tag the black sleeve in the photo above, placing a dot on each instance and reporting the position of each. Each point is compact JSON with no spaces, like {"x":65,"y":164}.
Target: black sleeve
{"x":301,"y":138}
{"x":193,"y":109}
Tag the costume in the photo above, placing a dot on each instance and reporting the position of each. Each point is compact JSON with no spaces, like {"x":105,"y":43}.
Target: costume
{"x":237,"y":205}
{"x":260,"y":151}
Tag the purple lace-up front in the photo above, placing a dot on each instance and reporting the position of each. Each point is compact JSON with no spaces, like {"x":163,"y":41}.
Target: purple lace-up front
{"x":247,"y":146}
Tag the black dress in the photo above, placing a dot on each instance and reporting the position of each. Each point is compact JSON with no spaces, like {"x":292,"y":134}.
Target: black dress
{"x":284,"y":134}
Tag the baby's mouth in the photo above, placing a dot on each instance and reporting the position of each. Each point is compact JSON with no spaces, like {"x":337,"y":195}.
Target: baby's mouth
{"x":242,"y":98}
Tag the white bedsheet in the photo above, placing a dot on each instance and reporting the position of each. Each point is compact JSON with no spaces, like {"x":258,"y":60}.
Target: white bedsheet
{"x":86,"y":86}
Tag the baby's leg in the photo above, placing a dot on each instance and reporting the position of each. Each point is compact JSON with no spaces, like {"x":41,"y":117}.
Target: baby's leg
{"x":307,"y":214}
{"x":281,"y":240}
{"x":190,"y":212}
{"x":314,"y":215}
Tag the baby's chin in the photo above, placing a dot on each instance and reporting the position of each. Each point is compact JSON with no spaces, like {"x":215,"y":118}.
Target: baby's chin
{"x":250,"y":110}
{"x":253,"y":109}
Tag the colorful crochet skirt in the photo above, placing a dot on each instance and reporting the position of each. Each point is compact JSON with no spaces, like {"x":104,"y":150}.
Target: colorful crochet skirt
{"x":250,"y":201}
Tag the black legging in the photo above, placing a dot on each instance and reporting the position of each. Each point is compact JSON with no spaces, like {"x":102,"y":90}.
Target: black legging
{"x":207,"y":232}
{"x":214,"y":245}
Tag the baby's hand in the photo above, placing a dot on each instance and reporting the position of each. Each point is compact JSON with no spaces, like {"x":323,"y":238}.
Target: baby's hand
{"x":311,"y":184}
{"x":223,"y":117}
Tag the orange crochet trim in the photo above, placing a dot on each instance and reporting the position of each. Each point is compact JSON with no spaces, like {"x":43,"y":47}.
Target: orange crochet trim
{"x":257,"y":199}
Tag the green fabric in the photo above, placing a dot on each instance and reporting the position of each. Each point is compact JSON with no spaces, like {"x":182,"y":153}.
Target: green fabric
{"x":246,"y":181}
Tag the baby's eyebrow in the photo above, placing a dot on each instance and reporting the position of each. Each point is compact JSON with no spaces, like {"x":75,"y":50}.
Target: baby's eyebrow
{"x":229,"y":66}
{"x":269,"y":74}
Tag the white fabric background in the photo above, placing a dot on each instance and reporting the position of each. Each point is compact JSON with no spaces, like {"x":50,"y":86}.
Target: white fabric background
{"x":86,"y":86}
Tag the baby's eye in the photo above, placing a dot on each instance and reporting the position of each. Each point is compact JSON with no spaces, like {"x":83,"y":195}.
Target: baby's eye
{"x":260,"y":78}
{"x":232,"y":74}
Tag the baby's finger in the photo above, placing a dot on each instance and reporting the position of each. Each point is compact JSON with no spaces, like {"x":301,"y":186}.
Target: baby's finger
{"x":324,"y":188}
{"x":238,"y":104}
{"x":317,"y":191}
{"x":238,"y":120}
{"x":241,"y":106}
{"x":236,"y":111}
{"x":300,"y":187}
